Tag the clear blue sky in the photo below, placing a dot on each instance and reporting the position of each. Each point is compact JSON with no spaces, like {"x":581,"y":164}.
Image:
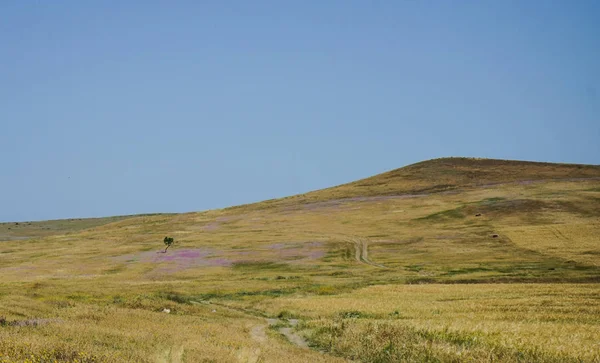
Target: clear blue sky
{"x":129,"y":107}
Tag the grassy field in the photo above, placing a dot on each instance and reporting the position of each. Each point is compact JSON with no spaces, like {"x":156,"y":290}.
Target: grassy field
{"x":447,"y":260}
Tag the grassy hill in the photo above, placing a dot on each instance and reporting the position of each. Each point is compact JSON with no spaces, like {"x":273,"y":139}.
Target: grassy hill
{"x":452,"y":259}
{"x":15,"y":231}
{"x":447,"y":174}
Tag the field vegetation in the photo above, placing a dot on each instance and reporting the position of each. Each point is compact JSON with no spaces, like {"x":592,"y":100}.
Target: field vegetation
{"x":453,"y":259}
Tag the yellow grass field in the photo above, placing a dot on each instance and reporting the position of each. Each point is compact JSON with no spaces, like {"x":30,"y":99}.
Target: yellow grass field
{"x":448,"y":260}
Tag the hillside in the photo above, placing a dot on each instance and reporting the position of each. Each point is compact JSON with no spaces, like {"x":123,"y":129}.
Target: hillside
{"x":16,"y":231}
{"x":446,"y":174}
{"x":450,"y":259}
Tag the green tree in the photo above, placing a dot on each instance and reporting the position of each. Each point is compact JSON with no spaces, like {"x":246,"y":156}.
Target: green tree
{"x":168,"y":241}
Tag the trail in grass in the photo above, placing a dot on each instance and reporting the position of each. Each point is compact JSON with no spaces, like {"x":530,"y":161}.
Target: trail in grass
{"x":291,"y":335}
{"x":361,"y":251}
{"x":258,"y":332}
{"x":288,"y":331}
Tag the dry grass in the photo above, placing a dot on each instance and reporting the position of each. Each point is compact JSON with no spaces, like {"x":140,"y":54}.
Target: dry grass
{"x":449,"y":174}
{"x":548,"y":322}
{"x":18,"y":231}
{"x":380,"y":277}
{"x":577,"y":242}
{"x":138,"y":333}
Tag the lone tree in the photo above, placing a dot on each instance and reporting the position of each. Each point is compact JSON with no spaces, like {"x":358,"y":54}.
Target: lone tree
{"x":168,"y":241}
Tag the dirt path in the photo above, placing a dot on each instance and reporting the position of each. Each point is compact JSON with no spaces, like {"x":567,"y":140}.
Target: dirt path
{"x":258,"y":332}
{"x":361,"y":251}
{"x":289,"y":333}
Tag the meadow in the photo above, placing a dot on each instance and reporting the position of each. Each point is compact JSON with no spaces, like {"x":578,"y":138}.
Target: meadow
{"x":448,"y":260}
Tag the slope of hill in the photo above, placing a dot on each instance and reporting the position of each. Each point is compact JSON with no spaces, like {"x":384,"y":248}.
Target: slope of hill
{"x":15,"y":231}
{"x":446,"y":260}
{"x":446,"y":174}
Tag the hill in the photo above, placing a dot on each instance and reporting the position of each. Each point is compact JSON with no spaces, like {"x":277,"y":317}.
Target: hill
{"x":446,"y":174}
{"x":446,"y":260}
{"x":16,"y":231}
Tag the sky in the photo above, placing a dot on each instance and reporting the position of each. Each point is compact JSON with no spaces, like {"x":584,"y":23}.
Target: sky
{"x":115,"y":108}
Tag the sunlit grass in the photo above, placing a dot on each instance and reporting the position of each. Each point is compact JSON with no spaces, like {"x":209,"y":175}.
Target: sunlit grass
{"x":549,"y":321}
{"x":381,"y":277}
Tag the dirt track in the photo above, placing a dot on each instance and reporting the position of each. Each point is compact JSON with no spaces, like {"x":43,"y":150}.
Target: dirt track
{"x":258,"y":332}
{"x":361,"y":251}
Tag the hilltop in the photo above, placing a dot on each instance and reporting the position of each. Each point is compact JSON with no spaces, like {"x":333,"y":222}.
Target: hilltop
{"x":450,"y":173}
{"x":447,"y":174}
